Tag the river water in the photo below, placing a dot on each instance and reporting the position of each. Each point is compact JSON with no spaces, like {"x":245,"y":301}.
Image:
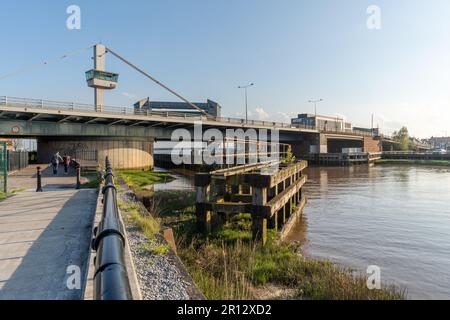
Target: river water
{"x":395,"y":217}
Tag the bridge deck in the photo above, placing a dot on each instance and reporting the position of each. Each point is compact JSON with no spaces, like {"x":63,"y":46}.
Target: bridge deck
{"x":41,"y":234}
{"x":63,"y":112}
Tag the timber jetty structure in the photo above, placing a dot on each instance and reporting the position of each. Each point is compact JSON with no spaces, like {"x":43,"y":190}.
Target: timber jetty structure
{"x":270,"y":192}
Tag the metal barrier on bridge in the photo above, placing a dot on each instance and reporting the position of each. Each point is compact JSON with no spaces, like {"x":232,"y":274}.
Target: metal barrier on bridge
{"x":81,"y":107}
{"x":111,"y":279}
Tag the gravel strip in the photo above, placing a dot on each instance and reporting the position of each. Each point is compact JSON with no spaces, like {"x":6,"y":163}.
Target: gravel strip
{"x":159,"y":277}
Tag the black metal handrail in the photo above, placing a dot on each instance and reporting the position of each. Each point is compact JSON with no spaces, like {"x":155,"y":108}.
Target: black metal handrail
{"x":111,"y":279}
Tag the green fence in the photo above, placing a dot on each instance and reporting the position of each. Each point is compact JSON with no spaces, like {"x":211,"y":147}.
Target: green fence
{"x":3,"y":167}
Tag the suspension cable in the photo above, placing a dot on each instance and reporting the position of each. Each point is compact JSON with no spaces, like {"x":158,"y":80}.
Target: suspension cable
{"x":44,"y":63}
{"x":158,"y":82}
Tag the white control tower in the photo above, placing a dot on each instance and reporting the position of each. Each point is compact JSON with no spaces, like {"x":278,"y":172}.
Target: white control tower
{"x":99,"y":79}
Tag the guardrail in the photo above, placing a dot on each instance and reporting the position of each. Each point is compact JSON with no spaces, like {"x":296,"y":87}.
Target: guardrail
{"x":111,"y":279}
{"x":427,"y":155}
{"x":431,"y":152}
{"x":89,"y":108}
{"x":71,"y":106}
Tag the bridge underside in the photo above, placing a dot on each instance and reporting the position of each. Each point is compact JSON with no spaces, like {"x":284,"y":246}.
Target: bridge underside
{"x":336,"y":146}
{"x":333,"y":143}
{"x":127,"y":147}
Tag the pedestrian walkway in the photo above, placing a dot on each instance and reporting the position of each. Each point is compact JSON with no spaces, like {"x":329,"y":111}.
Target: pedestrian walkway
{"x":26,"y":178}
{"x":41,"y":236}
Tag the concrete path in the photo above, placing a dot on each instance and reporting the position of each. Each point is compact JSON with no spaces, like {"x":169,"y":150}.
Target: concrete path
{"x":26,"y":178}
{"x":41,"y":235}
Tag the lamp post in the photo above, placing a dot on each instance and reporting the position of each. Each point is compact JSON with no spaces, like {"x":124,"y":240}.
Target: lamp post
{"x":315,"y":109}
{"x":315,"y":104}
{"x":246,"y":101}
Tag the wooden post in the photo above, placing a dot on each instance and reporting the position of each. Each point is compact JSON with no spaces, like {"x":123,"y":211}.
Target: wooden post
{"x":235,"y":189}
{"x":203,"y":185}
{"x":273,"y":222}
{"x":259,"y":223}
{"x":259,"y":229}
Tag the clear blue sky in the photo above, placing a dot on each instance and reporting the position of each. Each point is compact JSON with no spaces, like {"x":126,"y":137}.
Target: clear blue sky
{"x":292,"y":50}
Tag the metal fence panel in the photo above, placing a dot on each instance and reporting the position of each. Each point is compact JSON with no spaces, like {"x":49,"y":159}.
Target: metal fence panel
{"x":17,"y":160}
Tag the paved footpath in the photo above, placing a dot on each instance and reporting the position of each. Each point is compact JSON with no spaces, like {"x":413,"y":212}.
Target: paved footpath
{"x":41,"y":235}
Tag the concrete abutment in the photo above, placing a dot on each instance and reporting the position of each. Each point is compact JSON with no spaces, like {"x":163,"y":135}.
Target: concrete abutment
{"x":124,"y":153}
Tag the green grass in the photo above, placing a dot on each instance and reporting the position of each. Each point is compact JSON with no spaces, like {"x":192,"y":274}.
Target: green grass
{"x":93,"y":183}
{"x":236,"y":228}
{"x":139,"y":179}
{"x":445,"y":163}
{"x":3,"y":195}
{"x":155,"y":248}
{"x":230,"y":271}
{"x":173,"y":202}
{"x":147,"y":224}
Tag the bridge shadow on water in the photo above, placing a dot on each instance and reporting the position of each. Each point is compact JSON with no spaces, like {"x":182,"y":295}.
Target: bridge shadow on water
{"x":40,"y":273}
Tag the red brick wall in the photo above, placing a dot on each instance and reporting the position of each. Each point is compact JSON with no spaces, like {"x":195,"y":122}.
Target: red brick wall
{"x":372,"y":145}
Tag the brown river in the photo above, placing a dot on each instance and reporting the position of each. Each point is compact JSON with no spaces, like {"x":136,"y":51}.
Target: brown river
{"x":394,"y":217}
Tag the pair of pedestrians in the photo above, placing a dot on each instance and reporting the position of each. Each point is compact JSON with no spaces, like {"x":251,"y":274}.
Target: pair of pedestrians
{"x":56,"y":159}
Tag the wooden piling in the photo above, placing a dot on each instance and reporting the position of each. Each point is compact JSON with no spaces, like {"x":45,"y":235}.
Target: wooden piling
{"x":270,"y":199}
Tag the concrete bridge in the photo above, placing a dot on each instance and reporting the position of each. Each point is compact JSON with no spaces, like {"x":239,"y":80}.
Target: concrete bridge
{"x":127,"y":135}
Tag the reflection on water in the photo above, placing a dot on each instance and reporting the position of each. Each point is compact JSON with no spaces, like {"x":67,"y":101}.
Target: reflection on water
{"x":395,"y":217}
{"x":183,"y":180}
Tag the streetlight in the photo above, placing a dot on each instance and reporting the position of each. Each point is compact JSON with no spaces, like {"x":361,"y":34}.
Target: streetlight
{"x":246,"y":104}
{"x":315,"y":104}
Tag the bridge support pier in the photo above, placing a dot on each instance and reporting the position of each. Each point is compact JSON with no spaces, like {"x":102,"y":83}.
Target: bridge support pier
{"x":124,"y":153}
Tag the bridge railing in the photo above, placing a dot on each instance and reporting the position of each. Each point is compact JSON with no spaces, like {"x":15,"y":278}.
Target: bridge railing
{"x":348,"y":132}
{"x":111,"y":279}
{"x":71,"y":106}
{"x":393,"y":153}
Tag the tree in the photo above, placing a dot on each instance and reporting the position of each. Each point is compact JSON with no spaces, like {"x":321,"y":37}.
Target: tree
{"x":289,"y":156}
{"x":402,"y":139}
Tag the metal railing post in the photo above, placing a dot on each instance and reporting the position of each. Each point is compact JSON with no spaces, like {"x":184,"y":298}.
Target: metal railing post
{"x":78,"y":185}
{"x":39,"y":179}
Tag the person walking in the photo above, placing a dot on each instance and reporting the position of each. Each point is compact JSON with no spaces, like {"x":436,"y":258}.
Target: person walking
{"x":66,"y":160}
{"x":55,"y":162}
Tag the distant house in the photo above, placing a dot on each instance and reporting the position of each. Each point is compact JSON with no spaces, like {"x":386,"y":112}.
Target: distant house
{"x":440,"y":142}
{"x":211,"y":107}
